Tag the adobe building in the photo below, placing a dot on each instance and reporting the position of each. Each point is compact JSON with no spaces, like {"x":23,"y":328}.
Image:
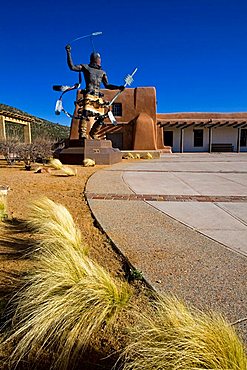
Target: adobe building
{"x":204,"y":132}
{"x":141,"y":128}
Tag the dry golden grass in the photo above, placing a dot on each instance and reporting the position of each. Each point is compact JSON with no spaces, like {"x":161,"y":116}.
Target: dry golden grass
{"x":67,"y":303}
{"x":172,"y":336}
{"x":69,"y":171}
{"x":3,"y":202}
{"x":129,"y":156}
{"x":56,"y":225}
{"x":3,"y":206}
{"x":56,"y":164}
{"x":87,"y":162}
{"x":147,"y":156}
{"x":69,"y":298}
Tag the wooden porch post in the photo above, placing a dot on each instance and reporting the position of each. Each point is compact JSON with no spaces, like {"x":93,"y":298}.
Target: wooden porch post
{"x":27,"y":133}
{"x":210,"y":134}
{"x":181,"y":140}
{"x":238,"y":140}
{"x":2,"y":129}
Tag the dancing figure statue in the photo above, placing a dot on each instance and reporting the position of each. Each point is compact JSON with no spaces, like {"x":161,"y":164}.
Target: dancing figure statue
{"x":91,"y":104}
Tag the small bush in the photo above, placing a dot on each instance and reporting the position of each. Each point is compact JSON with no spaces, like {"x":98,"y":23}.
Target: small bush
{"x":39,"y":150}
{"x":10,"y":149}
{"x":172,"y":336}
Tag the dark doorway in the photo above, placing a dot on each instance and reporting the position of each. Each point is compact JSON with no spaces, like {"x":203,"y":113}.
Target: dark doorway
{"x":168,"y":138}
{"x":243,"y":138}
{"x":198,"y":138}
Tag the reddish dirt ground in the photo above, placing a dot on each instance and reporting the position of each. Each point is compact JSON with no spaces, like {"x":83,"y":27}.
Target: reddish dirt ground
{"x":26,"y":186}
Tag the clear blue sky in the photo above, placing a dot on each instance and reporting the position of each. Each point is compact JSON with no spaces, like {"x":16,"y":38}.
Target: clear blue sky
{"x":193,"y":51}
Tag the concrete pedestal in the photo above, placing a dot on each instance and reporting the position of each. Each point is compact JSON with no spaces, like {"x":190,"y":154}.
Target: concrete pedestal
{"x":101,"y":152}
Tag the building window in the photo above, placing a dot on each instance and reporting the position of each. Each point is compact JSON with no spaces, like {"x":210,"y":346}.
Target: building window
{"x":117,"y":109}
{"x":243,"y":137}
{"x":198,"y":138}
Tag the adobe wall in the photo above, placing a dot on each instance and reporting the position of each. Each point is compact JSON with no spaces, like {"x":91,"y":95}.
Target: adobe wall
{"x":134,"y":101}
{"x":138,"y":109}
{"x":138,"y":120}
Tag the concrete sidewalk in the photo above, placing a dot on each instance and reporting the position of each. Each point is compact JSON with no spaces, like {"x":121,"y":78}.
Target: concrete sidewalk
{"x":182,"y":221}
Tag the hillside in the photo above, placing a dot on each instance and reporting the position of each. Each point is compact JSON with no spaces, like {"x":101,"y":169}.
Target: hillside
{"x":40,"y":126}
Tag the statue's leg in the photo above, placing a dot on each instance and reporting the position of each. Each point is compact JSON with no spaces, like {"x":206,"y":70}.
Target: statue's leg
{"x":83,"y":123}
{"x":93,"y":133}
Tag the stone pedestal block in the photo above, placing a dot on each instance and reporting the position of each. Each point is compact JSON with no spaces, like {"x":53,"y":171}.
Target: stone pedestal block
{"x":101,"y":152}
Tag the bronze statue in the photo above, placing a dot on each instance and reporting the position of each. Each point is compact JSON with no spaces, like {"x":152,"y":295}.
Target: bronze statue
{"x":91,"y":104}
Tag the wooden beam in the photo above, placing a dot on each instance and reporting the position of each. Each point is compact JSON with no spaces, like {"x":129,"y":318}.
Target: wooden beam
{"x":15,"y":120}
{"x":226,"y":123}
{"x":182,"y":125}
{"x":239,"y":125}
{"x":8,"y":114}
{"x":211,"y":125}
{"x":167,"y":124}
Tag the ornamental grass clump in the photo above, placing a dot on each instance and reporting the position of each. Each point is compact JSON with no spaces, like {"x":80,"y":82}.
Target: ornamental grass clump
{"x":147,"y":156}
{"x":128,"y":156}
{"x":56,"y":164}
{"x":69,"y":301}
{"x":3,"y":202}
{"x":56,"y":226}
{"x":173,"y":336}
{"x":3,"y":208}
{"x":68,"y":171}
{"x":87,"y":162}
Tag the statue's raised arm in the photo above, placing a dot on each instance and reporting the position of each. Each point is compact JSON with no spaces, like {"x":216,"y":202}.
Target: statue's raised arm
{"x":72,"y":67}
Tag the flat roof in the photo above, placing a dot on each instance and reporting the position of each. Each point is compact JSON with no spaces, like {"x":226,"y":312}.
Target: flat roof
{"x":17,"y":116}
{"x":193,"y":119}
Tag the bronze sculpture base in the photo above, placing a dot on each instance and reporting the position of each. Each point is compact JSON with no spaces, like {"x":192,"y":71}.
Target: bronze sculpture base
{"x":100,"y":151}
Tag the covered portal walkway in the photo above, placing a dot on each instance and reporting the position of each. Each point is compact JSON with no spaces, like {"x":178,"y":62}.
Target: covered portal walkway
{"x":12,"y":117}
{"x":211,"y":132}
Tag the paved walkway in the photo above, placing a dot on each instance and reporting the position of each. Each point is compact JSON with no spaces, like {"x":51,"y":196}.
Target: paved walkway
{"x":182,"y":221}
